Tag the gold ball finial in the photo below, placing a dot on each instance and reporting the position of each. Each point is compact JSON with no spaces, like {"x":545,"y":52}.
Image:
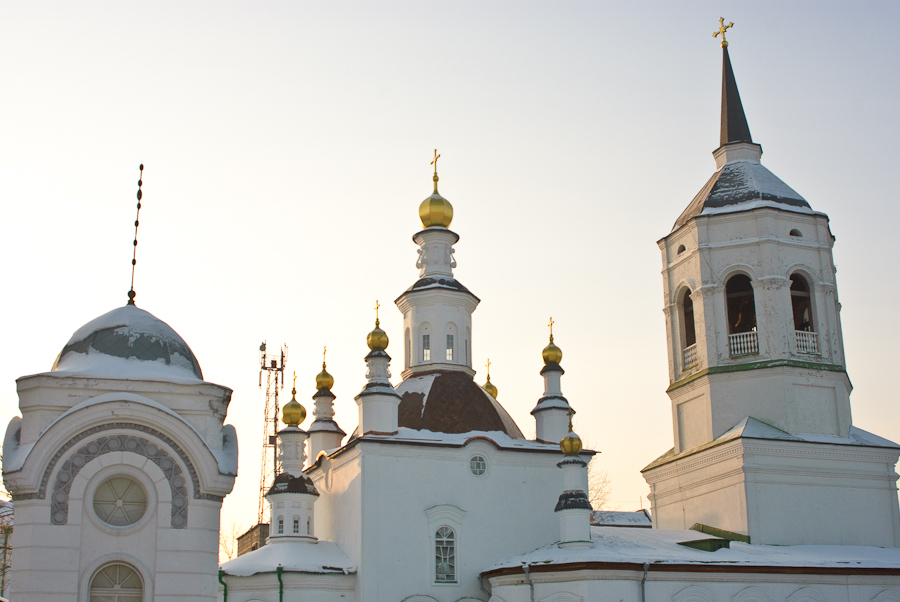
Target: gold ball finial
{"x":324,"y":381}
{"x":377,"y":339}
{"x":571,"y":445}
{"x":293,"y":413}
{"x":436,"y":211}
{"x":551,"y":353}
{"x":489,"y":386}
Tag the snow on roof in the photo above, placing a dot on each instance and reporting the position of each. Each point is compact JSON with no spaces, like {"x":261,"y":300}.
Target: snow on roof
{"x":661,"y":546}
{"x":751,"y":428}
{"x":501,"y":439}
{"x":611,"y":518}
{"x":293,"y":555}
{"x":131,"y":343}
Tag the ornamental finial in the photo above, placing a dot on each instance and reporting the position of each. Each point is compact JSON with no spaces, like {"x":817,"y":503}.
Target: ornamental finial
{"x":434,"y":162}
{"x":294,"y":389}
{"x":140,"y":194}
{"x":722,"y":29}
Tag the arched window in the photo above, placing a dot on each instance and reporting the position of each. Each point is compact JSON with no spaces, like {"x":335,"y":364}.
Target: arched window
{"x":280,"y":525}
{"x":296,"y":526}
{"x":406,"y":357}
{"x":426,"y":347}
{"x":116,"y":582}
{"x":801,"y":303}
{"x":687,"y":308}
{"x":445,"y":556}
{"x":308,"y":528}
{"x":741,"y":307}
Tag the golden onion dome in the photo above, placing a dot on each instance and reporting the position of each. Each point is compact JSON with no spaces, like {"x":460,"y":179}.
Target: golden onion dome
{"x":570,"y":445}
{"x":324,"y":380}
{"x":292,"y":414}
{"x":551,"y":353}
{"x":377,"y":339}
{"x":436,"y":211}
{"x":490,"y":388}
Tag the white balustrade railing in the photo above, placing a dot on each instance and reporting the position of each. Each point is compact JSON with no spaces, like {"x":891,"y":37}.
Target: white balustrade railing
{"x":743,"y":343}
{"x":807,"y":342}
{"x":690,"y":356}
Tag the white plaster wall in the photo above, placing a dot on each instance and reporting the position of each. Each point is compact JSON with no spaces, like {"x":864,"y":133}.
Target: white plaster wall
{"x":508,"y":511}
{"x":624,"y":586}
{"x":308,"y":587}
{"x":438,"y":309}
{"x":782,"y":492}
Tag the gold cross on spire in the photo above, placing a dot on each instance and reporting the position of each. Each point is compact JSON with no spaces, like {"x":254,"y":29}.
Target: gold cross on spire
{"x":551,"y":328}
{"x":434,"y":162}
{"x":377,"y":305}
{"x":488,"y":366}
{"x":722,"y":29}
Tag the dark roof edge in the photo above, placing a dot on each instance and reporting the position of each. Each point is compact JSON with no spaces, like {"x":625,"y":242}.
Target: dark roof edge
{"x":660,"y":567}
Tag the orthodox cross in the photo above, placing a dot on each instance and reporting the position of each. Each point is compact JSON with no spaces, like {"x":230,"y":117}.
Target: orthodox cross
{"x":377,"y":305}
{"x":324,"y":350}
{"x":131,"y":293}
{"x":722,"y":29}
{"x":488,"y":366}
{"x":551,"y":327}
{"x":295,"y":380}
{"x":436,"y":157}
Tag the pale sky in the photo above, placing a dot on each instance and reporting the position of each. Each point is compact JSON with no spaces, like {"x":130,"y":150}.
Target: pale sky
{"x":287,"y":149}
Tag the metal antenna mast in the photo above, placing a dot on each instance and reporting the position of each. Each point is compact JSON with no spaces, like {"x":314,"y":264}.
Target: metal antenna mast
{"x":273,"y":365}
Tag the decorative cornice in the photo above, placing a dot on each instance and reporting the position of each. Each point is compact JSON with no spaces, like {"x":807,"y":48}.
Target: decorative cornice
{"x":761,"y":365}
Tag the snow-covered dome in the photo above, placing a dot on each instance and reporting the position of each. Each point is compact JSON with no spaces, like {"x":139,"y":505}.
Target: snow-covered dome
{"x":128,"y":342}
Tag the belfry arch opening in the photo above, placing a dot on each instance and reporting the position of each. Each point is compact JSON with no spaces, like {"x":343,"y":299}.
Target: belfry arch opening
{"x":801,"y":304}
{"x":687,"y":314}
{"x":741,"y":312}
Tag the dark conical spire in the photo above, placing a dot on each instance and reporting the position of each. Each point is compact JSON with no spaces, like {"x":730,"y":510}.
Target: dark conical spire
{"x":734,"y":122}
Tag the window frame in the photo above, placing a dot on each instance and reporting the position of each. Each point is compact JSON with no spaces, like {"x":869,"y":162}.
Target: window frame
{"x":441,"y":535}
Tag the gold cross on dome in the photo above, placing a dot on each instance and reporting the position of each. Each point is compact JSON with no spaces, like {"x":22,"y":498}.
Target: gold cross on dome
{"x":488,"y":366}
{"x":377,"y":305}
{"x":295,"y":379}
{"x":722,"y":29}
{"x":551,"y":325}
{"x":434,"y":162}
{"x":324,"y":349}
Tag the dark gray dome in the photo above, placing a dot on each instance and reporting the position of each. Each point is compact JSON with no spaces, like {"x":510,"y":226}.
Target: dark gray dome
{"x":150,"y":347}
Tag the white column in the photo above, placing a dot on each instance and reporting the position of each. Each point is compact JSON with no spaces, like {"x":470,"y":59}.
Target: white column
{"x":378,"y":402}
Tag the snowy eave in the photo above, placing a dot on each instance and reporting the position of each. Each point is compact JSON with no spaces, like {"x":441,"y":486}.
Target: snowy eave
{"x":661,"y":547}
{"x":14,"y":456}
{"x":293,"y":556}
{"x":750,"y":428}
{"x":498,"y":438}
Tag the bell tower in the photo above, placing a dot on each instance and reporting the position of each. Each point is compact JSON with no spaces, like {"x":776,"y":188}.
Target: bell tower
{"x":757,"y":375}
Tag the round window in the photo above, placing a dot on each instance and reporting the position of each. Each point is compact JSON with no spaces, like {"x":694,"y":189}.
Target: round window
{"x":120,"y":501}
{"x":478,"y":465}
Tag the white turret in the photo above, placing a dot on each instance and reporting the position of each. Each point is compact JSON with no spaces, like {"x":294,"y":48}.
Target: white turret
{"x":573,"y":508}
{"x":324,"y":432}
{"x":378,"y":401}
{"x":551,"y":414}
{"x":292,"y":497}
{"x":437,"y":309}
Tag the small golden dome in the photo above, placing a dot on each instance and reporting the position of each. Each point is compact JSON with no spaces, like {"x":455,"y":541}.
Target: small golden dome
{"x":324,"y":380}
{"x":436,"y":211}
{"x":377,"y":339}
{"x":570,"y":445}
{"x":292,"y":414}
{"x":551,"y":353}
{"x":490,"y":388}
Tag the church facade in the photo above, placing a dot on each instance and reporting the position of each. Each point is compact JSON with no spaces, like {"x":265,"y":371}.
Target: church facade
{"x":120,"y":460}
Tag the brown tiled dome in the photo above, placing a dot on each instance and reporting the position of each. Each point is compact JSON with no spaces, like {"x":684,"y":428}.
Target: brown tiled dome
{"x":451,"y":402}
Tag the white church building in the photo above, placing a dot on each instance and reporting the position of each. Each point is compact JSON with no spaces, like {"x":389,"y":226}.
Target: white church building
{"x":120,"y":460}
